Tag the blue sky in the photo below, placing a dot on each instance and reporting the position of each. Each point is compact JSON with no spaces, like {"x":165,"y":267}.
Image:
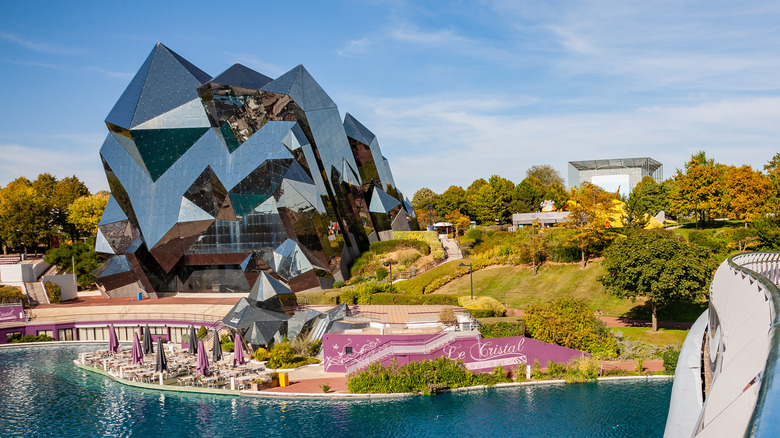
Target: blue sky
{"x":454,"y":90}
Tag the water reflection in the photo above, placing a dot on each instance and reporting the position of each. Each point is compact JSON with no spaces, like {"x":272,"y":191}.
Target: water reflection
{"x":44,"y":394}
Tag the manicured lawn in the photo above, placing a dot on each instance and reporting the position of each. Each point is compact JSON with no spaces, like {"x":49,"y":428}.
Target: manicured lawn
{"x":515,"y":286}
{"x":661,"y":338}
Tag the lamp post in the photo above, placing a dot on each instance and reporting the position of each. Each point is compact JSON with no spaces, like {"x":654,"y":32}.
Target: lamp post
{"x":19,"y":239}
{"x":390,"y":265}
{"x":471,"y":277}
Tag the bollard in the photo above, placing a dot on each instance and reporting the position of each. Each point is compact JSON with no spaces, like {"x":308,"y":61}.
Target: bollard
{"x":104,"y":365}
{"x":161,"y":379}
{"x":232,"y":383}
{"x":120,"y":372}
{"x":528,"y":372}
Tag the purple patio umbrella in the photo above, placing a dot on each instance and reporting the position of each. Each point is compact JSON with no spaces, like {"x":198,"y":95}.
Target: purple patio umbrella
{"x":113,"y":343}
{"x":137,"y":354}
{"x":203,"y":360}
{"x":238,"y":351}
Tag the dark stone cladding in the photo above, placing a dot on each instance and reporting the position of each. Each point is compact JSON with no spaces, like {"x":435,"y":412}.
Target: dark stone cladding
{"x":216,"y":180}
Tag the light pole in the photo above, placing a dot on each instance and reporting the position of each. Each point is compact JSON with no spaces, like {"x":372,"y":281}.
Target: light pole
{"x":471,"y":277}
{"x":390,"y":265}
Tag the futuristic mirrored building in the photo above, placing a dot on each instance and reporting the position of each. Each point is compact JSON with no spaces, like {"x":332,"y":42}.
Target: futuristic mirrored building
{"x":217,"y":179}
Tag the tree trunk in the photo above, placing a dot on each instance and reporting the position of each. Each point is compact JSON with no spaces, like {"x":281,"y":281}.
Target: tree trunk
{"x":655,"y":317}
{"x":582,"y":252}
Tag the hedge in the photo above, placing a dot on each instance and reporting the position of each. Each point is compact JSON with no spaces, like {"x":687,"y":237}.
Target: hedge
{"x":387,"y":298}
{"x":502,"y":329}
{"x":10,"y":294}
{"x":429,"y":237}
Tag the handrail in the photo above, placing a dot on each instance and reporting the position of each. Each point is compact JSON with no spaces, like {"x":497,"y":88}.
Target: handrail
{"x":764,"y":421}
{"x":141,"y":316}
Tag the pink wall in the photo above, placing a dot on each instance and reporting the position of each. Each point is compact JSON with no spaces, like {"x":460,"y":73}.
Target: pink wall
{"x":477,"y":354}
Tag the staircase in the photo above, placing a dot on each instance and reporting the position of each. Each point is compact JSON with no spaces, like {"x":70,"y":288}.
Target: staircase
{"x":393,"y":348}
{"x":36,"y":293}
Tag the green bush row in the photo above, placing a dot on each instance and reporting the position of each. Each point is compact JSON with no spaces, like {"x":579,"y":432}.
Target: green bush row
{"x":426,"y":377}
{"x":502,"y":329}
{"x":570,"y":323}
{"x":429,"y":237}
{"x":31,"y":338}
{"x":385,"y":246}
{"x":11,"y":294}
{"x":413,"y":300}
{"x":54,"y":291}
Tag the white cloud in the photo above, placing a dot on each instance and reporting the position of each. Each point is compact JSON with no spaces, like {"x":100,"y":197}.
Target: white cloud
{"x":39,"y":47}
{"x":249,"y":60}
{"x":437,"y":141}
{"x":30,"y":161}
{"x":355,"y":48}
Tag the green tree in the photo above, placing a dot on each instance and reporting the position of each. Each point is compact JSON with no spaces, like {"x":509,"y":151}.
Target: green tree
{"x":558,"y":194}
{"x":546,"y":174}
{"x":85,"y":212}
{"x":486,"y":205}
{"x":658,"y":265}
{"x":424,"y":203}
{"x":647,"y":198}
{"x":67,"y":190}
{"x":589,"y":215}
{"x":454,"y":198}
{"x":80,"y":254}
{"x":471,"y":192}
{"x":772,"y":169}
{"x":24,"y":214}
{"x":503,"y":188}
{"x":528,"y":195}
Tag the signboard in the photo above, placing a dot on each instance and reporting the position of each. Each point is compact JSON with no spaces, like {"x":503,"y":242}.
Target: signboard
{"x":479,"y":355}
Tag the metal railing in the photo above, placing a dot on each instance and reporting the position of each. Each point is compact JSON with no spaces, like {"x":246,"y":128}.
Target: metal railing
{"x":130,"y":316}
{"x":764,"y":268}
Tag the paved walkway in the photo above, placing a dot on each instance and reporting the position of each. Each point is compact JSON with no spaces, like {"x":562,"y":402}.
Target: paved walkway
{"x":451,"y":248}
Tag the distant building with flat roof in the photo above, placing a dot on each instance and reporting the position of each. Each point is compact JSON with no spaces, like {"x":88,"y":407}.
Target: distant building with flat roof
{"x":616,"y":173}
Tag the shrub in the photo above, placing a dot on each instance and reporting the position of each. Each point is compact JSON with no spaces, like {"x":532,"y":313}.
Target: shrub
{"x":325,"y":387}
{"x":502,"y":329}
{"x":428,"y":237}
{"x":361,"y":294}
{"x":413,"y":300}
{"x":11,"y":294}
{"x":202,"y":332}
{"x":426,"y":377}
{"x":54,"y":291}
{"x":381,"y":273}
{"x":670,"y":357}
{"x":224,"y":339}
{"x":447,"y":316}
{"x":262,"y":355}
{"x":640,"y":365}
{"x":570,"y":323}
{"x":482,"y":307}
{"x":306,"y":347}
{"x":281,"y":354}
{"x":31,"y":338}
{"x":228,"y":346}
{"x":582,"y":369}
{"x":339,"y":284}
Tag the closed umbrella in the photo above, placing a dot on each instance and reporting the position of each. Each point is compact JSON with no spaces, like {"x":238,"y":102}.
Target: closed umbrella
{"x":136,"y":354}
{"x":238,"y":351}
{"x":202,"y":366}
{"x":113,"y":343}
{"x":193,"y":347}
{"x":216,"y":352}
{"x":148,"y":340}
{"x":162,"y":362}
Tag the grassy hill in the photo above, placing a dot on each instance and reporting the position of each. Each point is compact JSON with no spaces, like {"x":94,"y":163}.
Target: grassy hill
{"x":515,"y":286}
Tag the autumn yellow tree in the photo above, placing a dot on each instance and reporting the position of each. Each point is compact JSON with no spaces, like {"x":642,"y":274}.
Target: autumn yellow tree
{"x":698,"y":189}
{"x":590,"y":209}
{"x":746,"y":192}
{"x":84,"y":213}
{"x":460,"y":221}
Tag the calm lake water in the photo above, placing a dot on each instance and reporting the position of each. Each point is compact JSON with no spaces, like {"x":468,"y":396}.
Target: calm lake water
{"x":43,"y":394}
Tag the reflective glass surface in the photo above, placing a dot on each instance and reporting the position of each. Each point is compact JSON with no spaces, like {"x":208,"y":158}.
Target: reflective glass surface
{"x":218,"y":182}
